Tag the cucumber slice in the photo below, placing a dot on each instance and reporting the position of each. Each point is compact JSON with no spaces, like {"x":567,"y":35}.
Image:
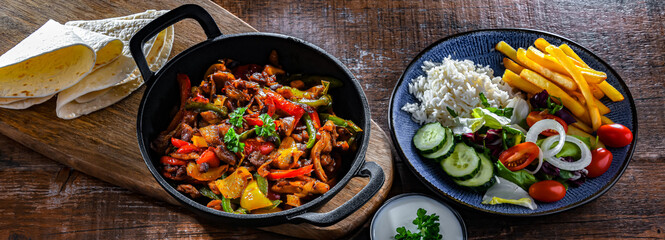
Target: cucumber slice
{"x":462,"y":164}
{"x":484,"y":179}
{"x":444,"y":151}
{"x":430,"y":138}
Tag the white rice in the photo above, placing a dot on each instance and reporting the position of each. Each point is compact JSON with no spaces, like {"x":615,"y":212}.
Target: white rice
{"x":454,"y":84}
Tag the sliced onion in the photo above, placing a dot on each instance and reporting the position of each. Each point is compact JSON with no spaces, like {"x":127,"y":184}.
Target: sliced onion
{"x":580,"y":164}
{"x":547,"y":124}
{"x":540,"y":162}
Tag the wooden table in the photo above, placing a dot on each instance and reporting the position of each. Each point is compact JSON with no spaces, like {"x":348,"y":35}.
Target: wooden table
{"x":376,"y":40}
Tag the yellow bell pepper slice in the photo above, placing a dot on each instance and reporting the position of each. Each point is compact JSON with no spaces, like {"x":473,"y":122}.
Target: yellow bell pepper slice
{"x":211,"y":174}
{"x":199,"y":141}
{"x":233,"y":185}
{"x":252,"y":198}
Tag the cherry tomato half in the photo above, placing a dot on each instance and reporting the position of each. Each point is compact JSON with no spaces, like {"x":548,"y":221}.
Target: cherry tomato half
{"x":536,"y":116}
{"x":601,"y":159}
{"x":547,"y":191}
{"x":519,"y":156}
{"x":615,"y":135}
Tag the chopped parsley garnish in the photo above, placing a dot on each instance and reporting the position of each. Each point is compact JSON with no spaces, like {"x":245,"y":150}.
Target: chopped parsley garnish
{"x":268,"y":127}
{"x":235,"y":118}
{"x":233,"y":144}
{"x":427,"y":225}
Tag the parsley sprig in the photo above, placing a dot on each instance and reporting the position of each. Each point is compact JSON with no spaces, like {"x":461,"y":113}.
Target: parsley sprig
{"x":232,"y":141}
{"x":427,"y":225}
{"x":235,"y":118}
{"x":268,"y":127}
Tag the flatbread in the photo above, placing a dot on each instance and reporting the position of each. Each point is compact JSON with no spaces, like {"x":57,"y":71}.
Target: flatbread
{"x":51,"y":59}
{"x":99,"y":90}
{"x":26,"y":103}
{"x":114,"y":94}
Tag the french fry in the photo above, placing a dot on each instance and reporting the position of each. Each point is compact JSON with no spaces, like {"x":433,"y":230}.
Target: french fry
{"x":602,"y":109}
{"x":572,"y":130}
{"x":575,"y":107}
{"x":592,"y":76}
{"x":512,"y":66}
{"x":582,"y":126}
{"x":610,"y":91}
{"x":541,"y":44}
{"x":594,"y":114}
{"x":569,"y":52}
{"x":578,"y":96}
{"x":507,"y":50}
{"x":557,"y":78}
{"x":597,"y":93}
{"x":518,"y":82}
{"x":605,"y":120}
{"x":539,"y":57}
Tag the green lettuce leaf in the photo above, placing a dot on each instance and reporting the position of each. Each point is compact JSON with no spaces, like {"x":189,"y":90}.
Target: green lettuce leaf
{"x":521,"y":177}
{"x":491,"y":119}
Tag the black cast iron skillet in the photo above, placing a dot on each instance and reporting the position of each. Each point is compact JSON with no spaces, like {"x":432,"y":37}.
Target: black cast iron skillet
{"x":161,"y":97}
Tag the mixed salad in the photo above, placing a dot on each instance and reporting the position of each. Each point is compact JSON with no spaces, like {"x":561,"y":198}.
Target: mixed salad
{"x":527,"y":150}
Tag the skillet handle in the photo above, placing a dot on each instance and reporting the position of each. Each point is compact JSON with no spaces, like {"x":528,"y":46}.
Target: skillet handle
{"x":376,"y":178}
{"x":154,"y":27}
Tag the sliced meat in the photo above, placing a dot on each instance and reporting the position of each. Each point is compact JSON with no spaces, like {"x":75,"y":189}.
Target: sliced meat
{"x":184,"y":156}
{"x":211,"y":134}
{"x":211,"y":117}
{"x":177,"y":173}
{"x":189,"y":189}
{"x":185,"y":132}
{"x":225,"y":155}
{"x":257,"y":159}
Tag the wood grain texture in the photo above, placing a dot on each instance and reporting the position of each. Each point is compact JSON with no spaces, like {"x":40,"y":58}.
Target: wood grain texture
{"x":376,"y":40}
{"x":103,"y":144}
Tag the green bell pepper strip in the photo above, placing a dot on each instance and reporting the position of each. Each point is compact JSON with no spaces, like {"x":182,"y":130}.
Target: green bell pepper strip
{"x":311,"y":132}
{"x":262,"y":183}
{"x":246,"y":134}
{"x":323,"y":102}
{"x":222,"y":111}
{"x":312,"y":80}
{"x":226,"y":203}
{"x":348,"y":124}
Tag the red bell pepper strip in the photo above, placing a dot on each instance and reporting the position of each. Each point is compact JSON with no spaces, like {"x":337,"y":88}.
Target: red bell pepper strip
{"x":253,"y":121}
{"x":187,"y":149}
{"x":289,"y":108}
{"x":179,"y":143}
{"x":185,"y":89}
{"x":271,"y":106}
{"x":264,"y":148}
{"x":208,"y":156}
{"x":314,"y":116}
{"x":200,"y":98}
{"x":278,"y":174}
{"x":172,"y":161}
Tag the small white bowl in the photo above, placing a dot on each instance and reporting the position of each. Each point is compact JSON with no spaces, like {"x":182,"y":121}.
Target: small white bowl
{"x":400,"y":211}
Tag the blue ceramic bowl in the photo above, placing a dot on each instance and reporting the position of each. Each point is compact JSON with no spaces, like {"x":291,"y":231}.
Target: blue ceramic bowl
{"x":478,"y":46}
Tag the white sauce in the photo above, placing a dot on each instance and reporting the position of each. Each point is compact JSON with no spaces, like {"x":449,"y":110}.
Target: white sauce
{"x":402,"y":210}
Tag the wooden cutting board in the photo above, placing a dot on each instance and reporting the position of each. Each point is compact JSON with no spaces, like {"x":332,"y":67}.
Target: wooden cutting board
{"x":103,"y":144}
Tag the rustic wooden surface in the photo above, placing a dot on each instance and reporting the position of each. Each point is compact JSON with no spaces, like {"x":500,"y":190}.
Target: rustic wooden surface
{"x":86,"y":145}
{"x":376,"y":40}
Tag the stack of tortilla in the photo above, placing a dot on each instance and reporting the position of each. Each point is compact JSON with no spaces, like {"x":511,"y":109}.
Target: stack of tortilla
{"x":87,"y":63}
